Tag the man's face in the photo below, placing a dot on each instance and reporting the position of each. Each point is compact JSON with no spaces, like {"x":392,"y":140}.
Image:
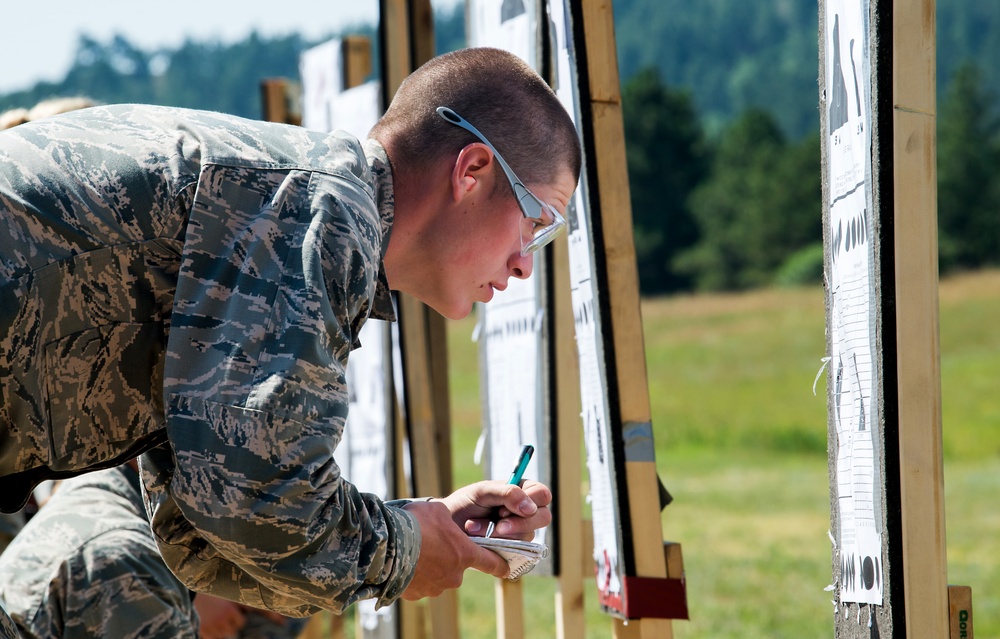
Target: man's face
{"x":481,"y":247}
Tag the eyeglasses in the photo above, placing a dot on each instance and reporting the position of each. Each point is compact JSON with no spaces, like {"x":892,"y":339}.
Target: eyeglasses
{"x":546,"y":221}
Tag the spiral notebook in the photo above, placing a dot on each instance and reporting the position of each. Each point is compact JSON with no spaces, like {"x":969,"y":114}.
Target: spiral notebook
{"x":521,"y":556}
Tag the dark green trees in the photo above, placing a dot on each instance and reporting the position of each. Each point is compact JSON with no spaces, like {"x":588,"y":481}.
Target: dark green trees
{"x":760,"y":205}
{"x":666,"y":160}
{"x":968,"y":174}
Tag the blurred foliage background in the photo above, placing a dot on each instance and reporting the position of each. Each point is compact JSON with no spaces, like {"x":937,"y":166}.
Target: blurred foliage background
{"x":721,"y":124}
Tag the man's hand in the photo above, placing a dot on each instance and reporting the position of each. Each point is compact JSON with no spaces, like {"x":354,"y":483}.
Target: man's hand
{"x":521,"y":511}
{"x":219,"y":618}
{"x":446,"y":550}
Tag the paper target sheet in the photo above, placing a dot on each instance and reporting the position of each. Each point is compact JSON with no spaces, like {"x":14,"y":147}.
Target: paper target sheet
{"x":603,"y":497}
{"x":852,"y":294}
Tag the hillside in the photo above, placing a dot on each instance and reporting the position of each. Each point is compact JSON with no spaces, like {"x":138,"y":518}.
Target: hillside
{"x":720,"y":119}
{"x":733,"y":54}
{"x":730,"y":54}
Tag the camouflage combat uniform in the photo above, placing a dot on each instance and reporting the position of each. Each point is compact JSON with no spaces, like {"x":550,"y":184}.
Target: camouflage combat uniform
{"x":199,"y":278}
{"x":86,"y":566}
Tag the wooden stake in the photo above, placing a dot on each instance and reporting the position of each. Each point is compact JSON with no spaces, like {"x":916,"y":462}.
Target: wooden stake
{"x":568,"y":471}
{"x":509,"y":609}
{"x":404,"y":47}
{"x":960,"y":612}
{"x":357,"y":54}
{"x":917,"y":336}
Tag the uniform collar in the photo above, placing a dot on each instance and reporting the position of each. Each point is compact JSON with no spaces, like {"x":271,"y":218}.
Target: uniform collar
{"x":378,"y":162}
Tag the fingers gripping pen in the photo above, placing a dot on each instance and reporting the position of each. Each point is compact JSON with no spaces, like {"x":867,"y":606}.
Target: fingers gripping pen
{"x":515,"y":477}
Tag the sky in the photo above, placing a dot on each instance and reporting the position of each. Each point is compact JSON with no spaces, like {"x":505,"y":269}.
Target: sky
{"x":38,"y":37}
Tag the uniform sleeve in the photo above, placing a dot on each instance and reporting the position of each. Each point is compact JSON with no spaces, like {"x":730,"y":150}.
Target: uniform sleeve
{"x":249,"y":503}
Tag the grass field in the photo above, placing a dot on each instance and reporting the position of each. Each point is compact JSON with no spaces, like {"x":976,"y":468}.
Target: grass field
{"x":741,"y":444}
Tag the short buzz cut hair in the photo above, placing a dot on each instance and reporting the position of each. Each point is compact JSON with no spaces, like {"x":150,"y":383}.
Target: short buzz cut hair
{"x":501,"y":96}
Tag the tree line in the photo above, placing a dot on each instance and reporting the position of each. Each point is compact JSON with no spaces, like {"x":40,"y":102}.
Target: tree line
{"x":725,"y":191}
{"x":744,"y":209}
{"x":734,"y":55}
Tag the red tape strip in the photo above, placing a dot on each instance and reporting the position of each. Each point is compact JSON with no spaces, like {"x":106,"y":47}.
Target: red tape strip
{"x":649,"y":597}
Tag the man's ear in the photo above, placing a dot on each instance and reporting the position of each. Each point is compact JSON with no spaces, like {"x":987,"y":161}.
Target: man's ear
{"x":473,"y":165}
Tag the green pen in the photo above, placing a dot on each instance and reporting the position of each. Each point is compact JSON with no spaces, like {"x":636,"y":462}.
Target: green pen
{"x":515,"y":477}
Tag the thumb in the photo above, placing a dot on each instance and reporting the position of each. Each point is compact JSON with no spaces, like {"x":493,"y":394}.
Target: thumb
{"x":517,"y":501}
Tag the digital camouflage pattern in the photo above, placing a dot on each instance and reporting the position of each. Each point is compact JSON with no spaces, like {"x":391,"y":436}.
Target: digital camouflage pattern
{"x":8,"y":630}
{"x":86,"y":567}
{"x":200,"y":278}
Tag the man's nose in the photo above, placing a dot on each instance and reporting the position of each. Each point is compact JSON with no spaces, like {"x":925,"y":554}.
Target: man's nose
{"x":520,"y":265}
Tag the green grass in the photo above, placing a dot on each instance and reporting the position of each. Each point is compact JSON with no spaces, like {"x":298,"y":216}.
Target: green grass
{"x":741,"y":444}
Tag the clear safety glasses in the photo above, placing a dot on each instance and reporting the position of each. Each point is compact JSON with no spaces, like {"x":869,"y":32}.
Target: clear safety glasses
{"x":546,"y":222}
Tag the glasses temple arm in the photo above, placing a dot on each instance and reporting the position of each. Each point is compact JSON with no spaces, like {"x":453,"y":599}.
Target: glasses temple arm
{"x":520,"y":190}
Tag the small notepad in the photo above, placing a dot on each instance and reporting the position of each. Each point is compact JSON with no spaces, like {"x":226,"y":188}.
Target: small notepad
{"x":521,"y":556}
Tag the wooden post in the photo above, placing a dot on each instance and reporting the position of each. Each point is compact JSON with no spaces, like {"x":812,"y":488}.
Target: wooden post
{"x":277,"y":101}
{"x":960,"y":612}
{"x":437,"y":338}
{"x":411,"y":613}
{"x":623,"y":284}
{"x":280,"y":97}
{"x":421,"y":19}
{"x":626,"y":368}
{"x":427,"y":427}
{"x":395,"y":36}
{"x":918,"y":367}
{"x":272,"y":97}
{"x":900,"y":223}
{"x":394,"y":28}
{"x":357,"y":52}
{"x":567,"y":443}
{"x":509,"y":609}
{"x":406,"y":28}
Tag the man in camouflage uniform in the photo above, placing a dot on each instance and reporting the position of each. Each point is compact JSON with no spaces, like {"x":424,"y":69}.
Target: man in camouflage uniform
{"x":189,"y":285}
{"x":87,"y":567}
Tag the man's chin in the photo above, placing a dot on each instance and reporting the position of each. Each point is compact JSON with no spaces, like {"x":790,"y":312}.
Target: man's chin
{"x":455,"y":311}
